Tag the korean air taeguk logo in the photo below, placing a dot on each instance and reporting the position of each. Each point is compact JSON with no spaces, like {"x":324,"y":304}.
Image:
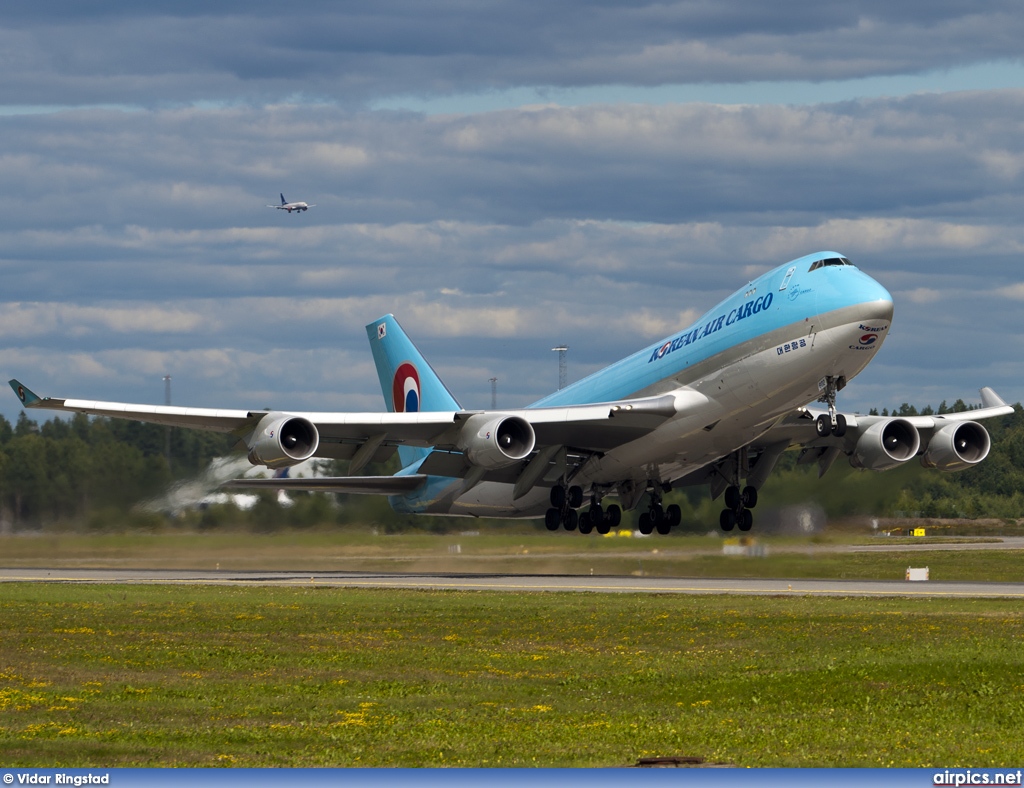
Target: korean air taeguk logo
{"x":405,"y":389}
{"x":868,"y":339}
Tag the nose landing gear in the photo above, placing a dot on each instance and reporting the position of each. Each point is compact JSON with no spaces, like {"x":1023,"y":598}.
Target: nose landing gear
{"x":834,"y":423}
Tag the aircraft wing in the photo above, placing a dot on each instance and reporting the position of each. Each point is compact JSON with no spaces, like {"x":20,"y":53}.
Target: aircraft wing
{"x":366,"y":437}
{"x":798,"y":427}
{"x":874,"y":442}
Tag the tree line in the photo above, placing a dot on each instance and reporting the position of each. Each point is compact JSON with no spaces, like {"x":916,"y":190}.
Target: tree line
{"x":94,"y":472}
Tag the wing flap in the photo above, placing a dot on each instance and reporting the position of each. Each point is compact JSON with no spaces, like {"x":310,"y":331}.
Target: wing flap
{"x":356,"y":485}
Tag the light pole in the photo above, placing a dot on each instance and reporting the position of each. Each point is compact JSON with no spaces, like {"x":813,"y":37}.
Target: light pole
{"x":563,"y":368}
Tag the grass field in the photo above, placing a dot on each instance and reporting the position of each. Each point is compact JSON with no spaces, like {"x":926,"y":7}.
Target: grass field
{"x":500,"y":552}
{"x":207,"y":676}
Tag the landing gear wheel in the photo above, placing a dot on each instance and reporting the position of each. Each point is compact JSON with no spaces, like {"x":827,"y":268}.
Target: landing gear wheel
{"x":575,"y":496}
{"x":586,"y":523}
{"x":727,"y":520}
{"x":732,"y":496}
{"x":552,"y":519}
{"x":613,"y":516}
{"x":663,"y":526}
{"x":596,"y":513}
{"x":645,"y":526}
{"x":749,"y":497}
{"x":558,"y":496}
{"x":744,"y":520}
{"x":570,"y":520}
{"x":823,"y":426}
{"x":604,"y":526}
{"x":840,"y":429}
{"x":673,"y":515}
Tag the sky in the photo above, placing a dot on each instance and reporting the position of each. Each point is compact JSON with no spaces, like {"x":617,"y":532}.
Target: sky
{"x":504,"y":177}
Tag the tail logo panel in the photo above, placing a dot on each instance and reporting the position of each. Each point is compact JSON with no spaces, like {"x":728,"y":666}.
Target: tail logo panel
{"x":405,"y":389}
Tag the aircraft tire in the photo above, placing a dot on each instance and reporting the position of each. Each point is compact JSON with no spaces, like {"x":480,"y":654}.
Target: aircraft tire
{"x":613,"y":516}
{"x":557,"y":496}
{"x":604,"y":526}
{"x":552,"y":519}
{"x":727,"y":520}
{"x":570,"y":520}
{"x":586,"y":523}
{"x":744,"y":520}
{"x":840,"y":428}
{"x":749,"y":497}
{"x":596,"y":513}
{"x":673,"y":515}
{"x":663,"y":526}
{"x":732,"y":496}
{"x":645,"y":526}
{"x":575,"y":496}
{"x":823,"y":426}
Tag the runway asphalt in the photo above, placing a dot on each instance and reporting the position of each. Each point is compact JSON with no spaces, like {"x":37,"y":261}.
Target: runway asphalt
{"x":524,"y":583}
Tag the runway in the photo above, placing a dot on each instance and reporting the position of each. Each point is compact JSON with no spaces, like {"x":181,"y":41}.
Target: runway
{"x":520,"y":583}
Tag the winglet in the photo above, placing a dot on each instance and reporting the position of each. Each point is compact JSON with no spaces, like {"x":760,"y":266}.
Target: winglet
{"x":989,"y":399}
{"x":26,"y":395}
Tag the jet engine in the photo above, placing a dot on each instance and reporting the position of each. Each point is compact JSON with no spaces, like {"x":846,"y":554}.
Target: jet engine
{"x":279,"y":441}
{"x":957,"y":446}
{"x":496,"y":441}
{"x":885,"y":445}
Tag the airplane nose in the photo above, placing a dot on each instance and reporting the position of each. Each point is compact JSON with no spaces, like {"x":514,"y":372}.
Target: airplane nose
{"x":850,"y":287}
{"x":876,"y":300}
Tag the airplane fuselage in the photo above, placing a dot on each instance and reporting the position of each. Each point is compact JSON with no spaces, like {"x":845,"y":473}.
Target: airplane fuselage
{"x":756,"y":356}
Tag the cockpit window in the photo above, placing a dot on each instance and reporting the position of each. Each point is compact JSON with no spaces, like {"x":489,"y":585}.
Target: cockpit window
{"x":829,"y":261}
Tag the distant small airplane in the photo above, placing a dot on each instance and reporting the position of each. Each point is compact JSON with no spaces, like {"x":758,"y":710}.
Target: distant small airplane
{"x":292,"y":206}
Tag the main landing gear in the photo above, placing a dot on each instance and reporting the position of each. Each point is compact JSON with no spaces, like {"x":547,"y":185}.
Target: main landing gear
{"x":659,"y":518}
{"x":834,"y":423}
{"x":738,"y":505}
{"x":565,"y":501}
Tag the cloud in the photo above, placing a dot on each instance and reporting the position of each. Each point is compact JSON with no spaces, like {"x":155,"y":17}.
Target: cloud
{"x":263,"y":52}
{"x":137,"y":243}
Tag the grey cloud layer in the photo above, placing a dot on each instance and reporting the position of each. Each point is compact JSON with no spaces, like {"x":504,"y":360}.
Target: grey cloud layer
{"x":925,"y":157}
{"x":155,"y":53}
{"x":139,"y":243}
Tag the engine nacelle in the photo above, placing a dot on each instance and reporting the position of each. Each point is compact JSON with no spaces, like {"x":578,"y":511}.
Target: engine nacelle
{"x":496,"y":441}
{"x":280,"y":441}
{"x":957,"y":446}
{"x":885,"y":445}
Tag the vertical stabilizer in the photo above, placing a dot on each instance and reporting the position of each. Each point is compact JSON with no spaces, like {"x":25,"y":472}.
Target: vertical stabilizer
{"x":408,"y":382}
{"x":283,"y":201}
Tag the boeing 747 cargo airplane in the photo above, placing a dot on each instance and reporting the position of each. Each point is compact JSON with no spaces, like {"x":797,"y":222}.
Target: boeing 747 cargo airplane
{"x":716,"y":403}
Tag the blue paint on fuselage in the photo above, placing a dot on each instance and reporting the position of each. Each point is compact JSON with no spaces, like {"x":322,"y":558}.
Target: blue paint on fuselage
{"x":738,"y":319}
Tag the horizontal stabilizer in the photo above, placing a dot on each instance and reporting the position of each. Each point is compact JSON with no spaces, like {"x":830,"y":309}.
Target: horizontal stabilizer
{"x":357,"y":485}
